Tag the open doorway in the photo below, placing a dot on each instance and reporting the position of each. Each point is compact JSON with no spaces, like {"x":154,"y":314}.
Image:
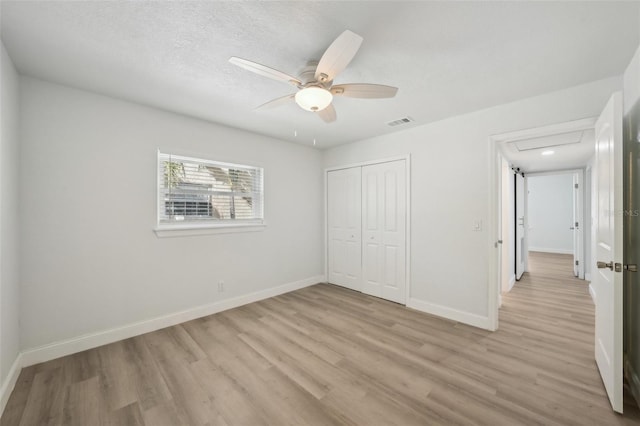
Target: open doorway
{"x":555,"y":210}
{"x":542,"y":216}
{"x":598,"y":307}
{"x":560,"y":149}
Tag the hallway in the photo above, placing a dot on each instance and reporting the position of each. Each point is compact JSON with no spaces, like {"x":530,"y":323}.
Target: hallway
{"x":552,"y":313}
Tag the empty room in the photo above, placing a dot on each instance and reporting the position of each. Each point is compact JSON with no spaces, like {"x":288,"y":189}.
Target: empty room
{"x":315,"y":213}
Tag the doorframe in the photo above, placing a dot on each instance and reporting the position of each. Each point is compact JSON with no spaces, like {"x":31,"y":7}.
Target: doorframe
{"x":525,"y":224}
{"x":407,"y":230}
{"x":580,"y":206}
{"x":495,"y":142}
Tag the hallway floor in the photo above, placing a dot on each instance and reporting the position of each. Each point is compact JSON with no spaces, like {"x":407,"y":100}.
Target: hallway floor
{"x":550,"y":299}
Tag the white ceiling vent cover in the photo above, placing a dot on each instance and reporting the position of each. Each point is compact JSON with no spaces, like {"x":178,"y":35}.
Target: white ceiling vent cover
{"x":400,"y":121}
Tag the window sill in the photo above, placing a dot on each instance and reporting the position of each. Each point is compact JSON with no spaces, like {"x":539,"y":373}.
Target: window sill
{"x":192,"y":230}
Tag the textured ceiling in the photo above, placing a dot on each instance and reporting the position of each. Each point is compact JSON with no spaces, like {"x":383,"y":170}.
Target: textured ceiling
{"x":447,"y":58}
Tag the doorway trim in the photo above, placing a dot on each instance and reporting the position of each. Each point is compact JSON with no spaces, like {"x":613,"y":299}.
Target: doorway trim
{"x":495,"y":142}
{"x":407,"y":160}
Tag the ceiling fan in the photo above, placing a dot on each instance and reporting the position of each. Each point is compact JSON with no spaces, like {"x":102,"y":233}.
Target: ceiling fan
{"x":315,"y":85}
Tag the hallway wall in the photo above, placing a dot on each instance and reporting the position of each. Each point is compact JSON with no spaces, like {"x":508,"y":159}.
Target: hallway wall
{"x":550,"y":206}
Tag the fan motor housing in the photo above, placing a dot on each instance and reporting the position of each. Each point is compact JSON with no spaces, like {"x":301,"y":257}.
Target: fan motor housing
{"x":308,"y":76}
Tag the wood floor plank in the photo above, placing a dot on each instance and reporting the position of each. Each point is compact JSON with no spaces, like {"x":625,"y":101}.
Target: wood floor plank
{"x":46,"y":398}
{"x":130,"y":415}
{"x":326,"y":355}
{"x":81,"y":407}
{"x":15,"y":406}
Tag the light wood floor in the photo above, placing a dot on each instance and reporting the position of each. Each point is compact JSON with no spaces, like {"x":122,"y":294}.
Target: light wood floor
{"x":325,"y":355}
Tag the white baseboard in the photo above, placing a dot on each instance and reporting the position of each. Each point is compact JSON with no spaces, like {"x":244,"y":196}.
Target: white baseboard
{"x":551,"y":250}
{"x":512,"y":282}
{"x":450,"y":313}
{"x":587,"y":277}
{"x":592,"y":292}
{"x":88,"y":341}
{"x":10,"y":382}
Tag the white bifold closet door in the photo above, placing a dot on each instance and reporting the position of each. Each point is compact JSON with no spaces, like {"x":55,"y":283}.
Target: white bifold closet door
{"x":366,"y":223}
{"x":344,"y":224}
{"x":383,"y":230}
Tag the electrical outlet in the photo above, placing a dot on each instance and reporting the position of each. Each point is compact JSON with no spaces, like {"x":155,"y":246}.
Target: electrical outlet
{"x":220,"y":286}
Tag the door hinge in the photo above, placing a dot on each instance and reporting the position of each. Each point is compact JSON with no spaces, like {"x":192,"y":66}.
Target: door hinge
{"x":575,"y":186}
{"x":577,"y":262}
{"x":576,"y":224}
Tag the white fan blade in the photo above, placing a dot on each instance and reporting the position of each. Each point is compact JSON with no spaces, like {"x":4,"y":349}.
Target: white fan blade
{"x":369,"y":91}
{"x":328,"y":114}
{"x":338,"y":55}
{"x":264,"y":70}
{"x":277,"y":102}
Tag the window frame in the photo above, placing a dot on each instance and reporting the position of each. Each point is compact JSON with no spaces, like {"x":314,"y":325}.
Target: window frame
{"x":178,"y":228}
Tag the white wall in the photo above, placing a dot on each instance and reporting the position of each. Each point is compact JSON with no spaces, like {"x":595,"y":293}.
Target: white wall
{"x":449,"y":190}
{"x":632,"y":83}
{"x":550,"y":210}
{"x":90,"y":258}
{"x":9,"y":278}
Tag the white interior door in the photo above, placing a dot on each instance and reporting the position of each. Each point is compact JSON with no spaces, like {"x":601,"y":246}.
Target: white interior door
{"x":607,"y":279}
{"x":344,"y":224}
{"x":576,"y":226}
{"x":520,"y":226}
{"x":384,"y":225}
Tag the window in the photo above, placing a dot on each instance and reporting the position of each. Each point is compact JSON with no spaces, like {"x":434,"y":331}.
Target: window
{"x":194,"y":192}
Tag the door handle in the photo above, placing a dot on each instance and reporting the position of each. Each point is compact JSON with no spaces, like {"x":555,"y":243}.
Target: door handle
{"x":602,"y":265}
{"x":631,"y":268}
{"x":572,"y":228}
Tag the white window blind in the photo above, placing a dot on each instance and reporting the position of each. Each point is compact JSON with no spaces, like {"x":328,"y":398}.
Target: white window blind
{"x":194,"y":190}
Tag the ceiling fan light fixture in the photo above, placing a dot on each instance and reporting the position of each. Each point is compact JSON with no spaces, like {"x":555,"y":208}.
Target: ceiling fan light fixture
{"x":313,"y":98}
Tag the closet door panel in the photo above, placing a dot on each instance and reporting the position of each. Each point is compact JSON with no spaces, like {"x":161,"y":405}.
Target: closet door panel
{"x":344,"y":222}
{"x":394,"y":231}
{"x":384,"y":201}
{"x":371,"y":234}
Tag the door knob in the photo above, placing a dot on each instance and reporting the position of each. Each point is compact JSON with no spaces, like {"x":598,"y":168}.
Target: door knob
{"x":631,"y":268}
{"x":602,"y":265}
{"x":572,"y":228}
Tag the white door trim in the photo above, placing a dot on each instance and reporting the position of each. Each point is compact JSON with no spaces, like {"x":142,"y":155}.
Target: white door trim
{"x":407,"y":160}
{"x":495,"y":141}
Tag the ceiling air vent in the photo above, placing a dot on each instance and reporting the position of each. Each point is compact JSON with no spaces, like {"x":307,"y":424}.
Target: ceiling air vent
{"x":400,"y":121}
